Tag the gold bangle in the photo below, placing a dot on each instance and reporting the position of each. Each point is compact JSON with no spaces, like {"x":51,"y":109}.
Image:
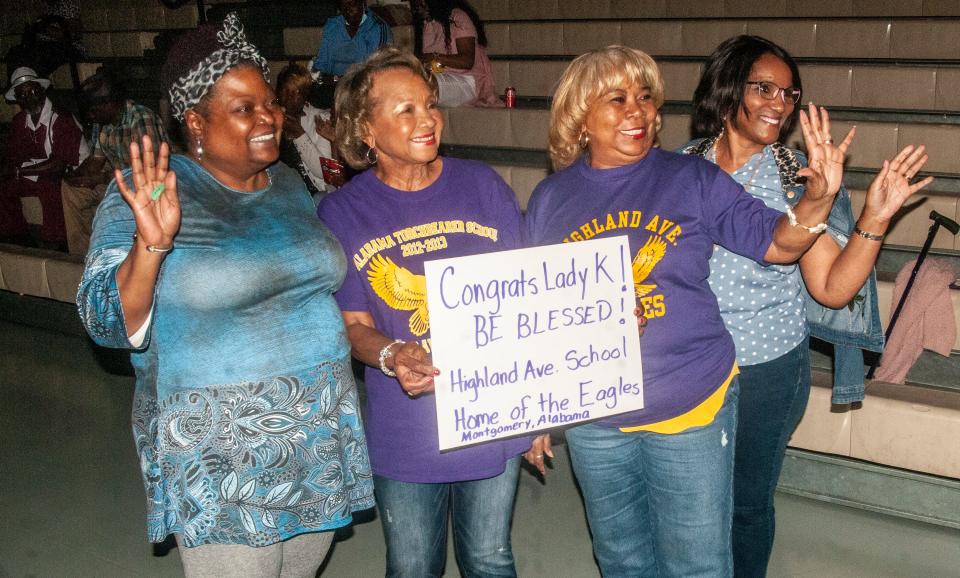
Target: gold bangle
{"x":868,"y":236}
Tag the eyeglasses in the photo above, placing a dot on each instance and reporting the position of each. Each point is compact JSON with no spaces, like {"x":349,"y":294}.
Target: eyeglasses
{"x":770,"y":91}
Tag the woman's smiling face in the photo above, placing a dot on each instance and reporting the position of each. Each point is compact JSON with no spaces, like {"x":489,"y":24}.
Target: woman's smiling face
{"x":621,"y":126}
{"x":405,"y":124}
{"x":759,"y":121}
{"x":241,"y":125}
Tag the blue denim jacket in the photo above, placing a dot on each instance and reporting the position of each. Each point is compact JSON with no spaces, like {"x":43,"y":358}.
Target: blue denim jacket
{"x":851,"y":328}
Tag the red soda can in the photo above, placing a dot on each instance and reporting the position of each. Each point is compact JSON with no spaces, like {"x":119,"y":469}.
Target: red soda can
{"x":510,"y":96}
{"x":333,"y":173}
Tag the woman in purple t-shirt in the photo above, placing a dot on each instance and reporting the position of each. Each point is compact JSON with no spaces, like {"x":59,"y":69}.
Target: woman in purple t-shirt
{"x":409,"y":207}
{"x":657,"y":483}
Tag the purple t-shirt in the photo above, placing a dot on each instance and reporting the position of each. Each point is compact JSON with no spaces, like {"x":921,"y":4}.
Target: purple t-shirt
{"x":387,"y":235}
{"x":673,"y":208}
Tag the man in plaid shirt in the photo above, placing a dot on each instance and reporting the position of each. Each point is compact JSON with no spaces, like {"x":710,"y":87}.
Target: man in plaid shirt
{"x":117,"y":121}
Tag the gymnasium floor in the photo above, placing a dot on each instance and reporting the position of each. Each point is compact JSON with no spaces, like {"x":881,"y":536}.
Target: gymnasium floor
{"x":71,"y":501}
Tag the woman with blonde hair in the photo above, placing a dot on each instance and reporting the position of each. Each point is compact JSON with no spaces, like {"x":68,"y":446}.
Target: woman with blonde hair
{"x":657,"y":483}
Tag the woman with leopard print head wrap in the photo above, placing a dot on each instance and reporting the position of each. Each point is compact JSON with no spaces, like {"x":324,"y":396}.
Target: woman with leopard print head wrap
{"x":212,"y":269}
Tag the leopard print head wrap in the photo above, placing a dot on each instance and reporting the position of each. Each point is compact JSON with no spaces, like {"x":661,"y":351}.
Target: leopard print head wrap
{"x":199,"y":58}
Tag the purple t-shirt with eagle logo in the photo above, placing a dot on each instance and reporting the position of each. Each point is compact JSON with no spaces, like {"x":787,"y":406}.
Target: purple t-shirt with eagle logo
{"x":387,"y":235}
{"x":674,"y":209}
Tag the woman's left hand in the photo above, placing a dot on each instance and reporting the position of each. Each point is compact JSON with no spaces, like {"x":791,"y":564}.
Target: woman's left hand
{"x":891,"y":187}
{"x":541,"y":447}
{"x":414,"y":369}
{"x":152,"y":196}
{"x":824,"y":170}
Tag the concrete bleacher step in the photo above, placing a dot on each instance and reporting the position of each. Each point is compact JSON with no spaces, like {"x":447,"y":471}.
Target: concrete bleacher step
{"x":896,"y":452}
{"x":874,"y":487}
{"x":526,"y":128}
{"x":821,"y":37}
{"x":559,"y":9}
{"x":40,"y":273}
{"x":894,"y":257}
{"x":277,"y":13}
{"x":908,"y":231}
{"x":515,"y":140}
{"x":921,"y":87}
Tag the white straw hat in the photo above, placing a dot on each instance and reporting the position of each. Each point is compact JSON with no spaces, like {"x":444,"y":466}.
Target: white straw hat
{"x":21,"y":75}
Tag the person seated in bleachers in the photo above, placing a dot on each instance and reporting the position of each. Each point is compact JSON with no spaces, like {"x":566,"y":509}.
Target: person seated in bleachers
{"x":42,"y":144}
{"x":349,"y":38}
{"x":448,"y":35}
{"x":117,"y":121}
{"x":307,"y":133}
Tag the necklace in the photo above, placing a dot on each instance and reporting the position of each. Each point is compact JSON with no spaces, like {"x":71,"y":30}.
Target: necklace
{"x":753,"y":175}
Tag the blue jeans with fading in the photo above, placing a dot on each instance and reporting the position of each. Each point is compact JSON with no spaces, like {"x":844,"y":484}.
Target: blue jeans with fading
{"x":773,"y":397}
{"x":659,"y":504}
{"x":414,"y":517}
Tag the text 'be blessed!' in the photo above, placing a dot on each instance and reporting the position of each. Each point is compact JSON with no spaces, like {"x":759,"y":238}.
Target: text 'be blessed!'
{"x":532,"y":339}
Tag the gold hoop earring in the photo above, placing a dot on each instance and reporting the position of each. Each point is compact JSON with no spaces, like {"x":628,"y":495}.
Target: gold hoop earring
{"x":584,"y":140}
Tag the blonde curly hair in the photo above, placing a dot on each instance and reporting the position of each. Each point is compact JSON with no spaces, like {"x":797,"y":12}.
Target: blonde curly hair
{"x":354,"y":105}
{"x":588,"y":77}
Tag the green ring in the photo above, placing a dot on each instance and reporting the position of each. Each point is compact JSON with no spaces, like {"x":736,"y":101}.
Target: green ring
{"x":157,"y":191}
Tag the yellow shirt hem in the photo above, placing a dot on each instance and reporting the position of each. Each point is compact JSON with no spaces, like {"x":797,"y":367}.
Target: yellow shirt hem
{"x":699,"y":416}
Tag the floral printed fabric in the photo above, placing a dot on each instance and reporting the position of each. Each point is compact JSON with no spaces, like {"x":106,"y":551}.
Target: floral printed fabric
{"x":245,"y":416}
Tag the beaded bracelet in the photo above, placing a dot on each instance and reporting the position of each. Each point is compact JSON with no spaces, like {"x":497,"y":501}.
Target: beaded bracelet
{"x":384,"y":354}
{"x":815,"y":230}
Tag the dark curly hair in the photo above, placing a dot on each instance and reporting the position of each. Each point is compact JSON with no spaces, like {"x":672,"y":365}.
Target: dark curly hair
{"x":724,"y":82}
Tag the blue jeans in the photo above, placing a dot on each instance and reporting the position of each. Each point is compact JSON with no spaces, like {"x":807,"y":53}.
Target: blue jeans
{"x":414,"y":518}
{"x":773,"y":397}
{"x":658,"y":504}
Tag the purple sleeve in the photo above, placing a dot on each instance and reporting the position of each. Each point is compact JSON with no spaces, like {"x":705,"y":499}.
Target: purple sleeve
{"x":351,"y":295}
{"x":737,"y":220}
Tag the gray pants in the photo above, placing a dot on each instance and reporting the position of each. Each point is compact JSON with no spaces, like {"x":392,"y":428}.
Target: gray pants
{"x":297,"y":557}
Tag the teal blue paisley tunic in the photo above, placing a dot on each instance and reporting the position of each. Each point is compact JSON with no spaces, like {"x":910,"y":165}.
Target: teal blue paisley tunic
{"x":245,"y":414}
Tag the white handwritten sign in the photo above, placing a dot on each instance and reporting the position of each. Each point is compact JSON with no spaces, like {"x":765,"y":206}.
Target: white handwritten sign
{"x":532,"y":339}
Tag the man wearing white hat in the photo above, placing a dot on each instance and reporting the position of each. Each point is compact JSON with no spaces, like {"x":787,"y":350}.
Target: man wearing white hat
{"x":42,"y":144}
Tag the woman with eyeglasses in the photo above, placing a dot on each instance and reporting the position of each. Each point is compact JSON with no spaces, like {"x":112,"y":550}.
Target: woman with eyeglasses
{"x":745,"y":103}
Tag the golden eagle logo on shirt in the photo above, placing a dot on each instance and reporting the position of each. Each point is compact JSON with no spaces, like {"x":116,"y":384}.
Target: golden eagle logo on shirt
{"x":402,"y":290}
{"x":647,"y":258}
